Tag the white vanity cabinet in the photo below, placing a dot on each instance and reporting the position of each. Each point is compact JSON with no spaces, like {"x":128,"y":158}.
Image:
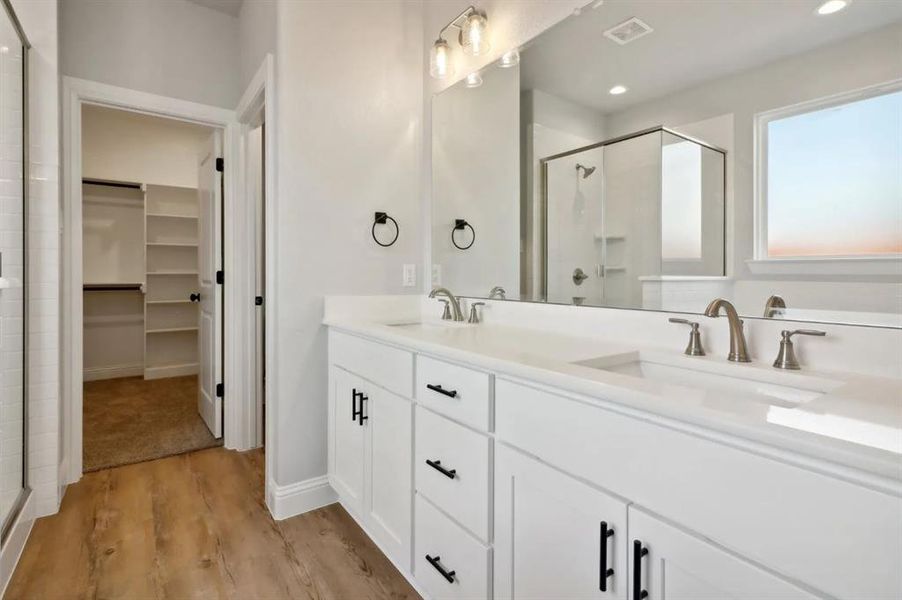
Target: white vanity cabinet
{"x":483,"y":485}
{"x":555,"y":537}
{"x":371,"y":441}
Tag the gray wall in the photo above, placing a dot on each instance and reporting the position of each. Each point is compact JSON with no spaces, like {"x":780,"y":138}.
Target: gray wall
{"x":172,"y":48}
{"x":256,"y":36}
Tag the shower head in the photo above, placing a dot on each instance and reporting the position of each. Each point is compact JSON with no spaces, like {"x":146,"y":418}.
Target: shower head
{"x":586,"y":170}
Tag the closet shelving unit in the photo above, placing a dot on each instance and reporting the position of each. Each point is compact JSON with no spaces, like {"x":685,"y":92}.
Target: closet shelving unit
{"x":171,"y":260}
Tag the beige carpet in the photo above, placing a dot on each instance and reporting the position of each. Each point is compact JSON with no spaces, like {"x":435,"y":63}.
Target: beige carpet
{"x":131,"y":420}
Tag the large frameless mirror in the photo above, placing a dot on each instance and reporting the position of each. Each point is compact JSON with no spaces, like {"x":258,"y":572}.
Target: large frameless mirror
{"x":642,"y":155}
{"x":13,"y":267}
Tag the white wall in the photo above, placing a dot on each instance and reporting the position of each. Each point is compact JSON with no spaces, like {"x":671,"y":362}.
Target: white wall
{"x":256,"y":36}
{"x":476,"y":150}
{"x":172,"y":48}
{"x":349,"y":109}
{"x":119,"y":145}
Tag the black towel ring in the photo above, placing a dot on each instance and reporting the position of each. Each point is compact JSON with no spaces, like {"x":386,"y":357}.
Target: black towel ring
{"x":381,"y":219}
{"x":458,"y":225}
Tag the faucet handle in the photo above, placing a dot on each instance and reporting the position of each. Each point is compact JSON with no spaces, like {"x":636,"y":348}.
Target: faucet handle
{"x":446,"y":313}
{"x":474,"y":315}
{"x":694,"y":348}
{"x":786,"y":357}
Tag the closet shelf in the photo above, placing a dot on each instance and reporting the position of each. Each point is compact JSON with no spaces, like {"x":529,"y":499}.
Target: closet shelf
{"x":171,"y":216}
{"x":169,"y":302}
{"x":171,"y":330}
{"x":172,"y":273}
{"x":174,"y":244}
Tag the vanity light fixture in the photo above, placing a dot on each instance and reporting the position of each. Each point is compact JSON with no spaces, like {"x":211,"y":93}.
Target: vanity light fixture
{"x":474,"y":80}
{"x":617,"y":90}
{"x":473,"y":36}
{"x":511,"y":58}
{"x":832,"y":6}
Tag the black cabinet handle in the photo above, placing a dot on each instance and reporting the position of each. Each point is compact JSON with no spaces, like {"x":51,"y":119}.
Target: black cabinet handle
{"x":603,"y":571}
{"x":360,"y":416}
{"x":638,"y":553}
{"x":194,"y":297}
{"x":433,"y":560}
{"x":441,"y":390}
{"x":437,"y":465}
{"x":354,"y":394}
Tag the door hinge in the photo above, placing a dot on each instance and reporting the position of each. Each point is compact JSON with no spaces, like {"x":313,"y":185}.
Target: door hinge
{"x":258,"y":300}
{"x":220,"y":277}
{"x":220,"y":164}
{"x":220,"y":390}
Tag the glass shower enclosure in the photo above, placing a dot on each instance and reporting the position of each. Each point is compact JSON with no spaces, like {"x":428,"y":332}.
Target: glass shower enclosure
{"x":629,"y":210}
{"x":14,"y":169}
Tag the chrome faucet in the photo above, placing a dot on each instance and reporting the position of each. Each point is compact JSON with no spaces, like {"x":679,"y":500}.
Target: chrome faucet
{"x":455,"y":303}
{"x":738,"y":350}
{"x":499,"y":292}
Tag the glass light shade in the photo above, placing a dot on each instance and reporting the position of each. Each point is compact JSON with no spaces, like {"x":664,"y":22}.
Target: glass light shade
{"x":474,"y":35}
{"x":440,"y":64}
{"x":511,"y":58}
{"x":474,"y":80}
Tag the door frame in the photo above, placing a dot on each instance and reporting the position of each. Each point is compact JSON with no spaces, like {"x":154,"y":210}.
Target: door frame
{"x":259,"y":98}
{"x":238,"y":433}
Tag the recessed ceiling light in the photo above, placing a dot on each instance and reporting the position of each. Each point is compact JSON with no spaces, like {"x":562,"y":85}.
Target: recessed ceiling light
{"x":617,"y":90}
{"x":832,"y":6}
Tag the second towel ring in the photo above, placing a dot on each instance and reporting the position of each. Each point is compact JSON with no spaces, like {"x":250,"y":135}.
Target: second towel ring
{"x":380,"y":219}
{"x":458,"y":225}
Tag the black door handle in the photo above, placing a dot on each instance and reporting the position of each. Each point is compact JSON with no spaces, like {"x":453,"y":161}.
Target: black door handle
{"x":448,"y":575}
{"x":437,"y":465}
{"x":603,"y":571}
{"x":354,"y":394}
{"x":441,"y":390}
{"x":195,"y":297}
{"x":360,"y":416}
{"x":638,"y":553}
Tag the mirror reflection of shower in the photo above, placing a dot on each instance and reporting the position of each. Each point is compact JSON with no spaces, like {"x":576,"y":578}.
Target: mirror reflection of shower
{"x":586,"y":170}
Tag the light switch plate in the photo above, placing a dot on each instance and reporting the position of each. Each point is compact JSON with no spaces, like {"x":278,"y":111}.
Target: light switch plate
{"x":436,"y":274}
{"x":409,"y":276}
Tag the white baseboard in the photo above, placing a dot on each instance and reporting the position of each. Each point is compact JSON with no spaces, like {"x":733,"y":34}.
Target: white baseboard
{"x":170,"y":371}
{"x":297,"y":498}
{"x":13,"y":546}
{"x":113,"y":372}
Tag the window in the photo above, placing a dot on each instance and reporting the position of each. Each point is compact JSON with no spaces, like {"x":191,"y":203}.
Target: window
{"x":830,"y":178}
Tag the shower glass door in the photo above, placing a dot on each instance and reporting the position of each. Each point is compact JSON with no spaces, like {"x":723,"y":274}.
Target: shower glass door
{"x":13,"y":189}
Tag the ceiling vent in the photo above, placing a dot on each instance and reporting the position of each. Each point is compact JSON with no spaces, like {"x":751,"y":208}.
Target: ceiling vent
{"x":628,"y":31}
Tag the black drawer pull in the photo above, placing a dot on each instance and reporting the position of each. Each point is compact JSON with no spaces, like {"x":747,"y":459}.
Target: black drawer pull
{"x":437,"y":465}
{"x":638,"y":553}
{"x":603,"y":571}
{"x":448,"y":575}
{"x":354,"y":394}
{"x":360,"y":416}
{"x":441,"y":390}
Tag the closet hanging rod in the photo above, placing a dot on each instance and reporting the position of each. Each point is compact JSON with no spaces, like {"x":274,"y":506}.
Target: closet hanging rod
{"x":112,"y":287}
{"x":118,"y":184}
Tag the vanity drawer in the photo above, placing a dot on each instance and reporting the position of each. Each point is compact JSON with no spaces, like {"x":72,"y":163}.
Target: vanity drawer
{"x":386,"y":366}
{"x":458,"y":392}
{"x":452,"y":549}
{"x":458,"y":473}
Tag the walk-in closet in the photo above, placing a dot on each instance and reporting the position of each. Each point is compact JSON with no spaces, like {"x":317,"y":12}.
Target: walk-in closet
{"x":140,"y":244}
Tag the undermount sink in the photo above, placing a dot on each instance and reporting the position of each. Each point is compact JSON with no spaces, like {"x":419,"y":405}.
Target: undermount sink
{"x":431,"y":325}
{"x":787,"y":389}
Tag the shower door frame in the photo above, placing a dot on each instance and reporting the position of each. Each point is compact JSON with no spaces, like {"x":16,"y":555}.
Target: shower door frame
{"x":543,"y":209}
{"x":10,"y":519}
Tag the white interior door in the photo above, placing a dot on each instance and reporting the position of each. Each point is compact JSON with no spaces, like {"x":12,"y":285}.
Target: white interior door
{"x":209,"y":190}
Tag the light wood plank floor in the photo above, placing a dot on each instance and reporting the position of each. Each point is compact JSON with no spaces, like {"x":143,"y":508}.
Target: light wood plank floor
{"x":195,"y":526}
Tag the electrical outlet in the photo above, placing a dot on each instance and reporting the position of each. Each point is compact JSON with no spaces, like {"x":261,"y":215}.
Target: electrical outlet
{"x":409,"y":276}
{"x":436,"y":274}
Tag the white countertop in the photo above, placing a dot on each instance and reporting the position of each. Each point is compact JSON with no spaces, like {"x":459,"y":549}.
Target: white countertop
{"x":853,"y":423}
